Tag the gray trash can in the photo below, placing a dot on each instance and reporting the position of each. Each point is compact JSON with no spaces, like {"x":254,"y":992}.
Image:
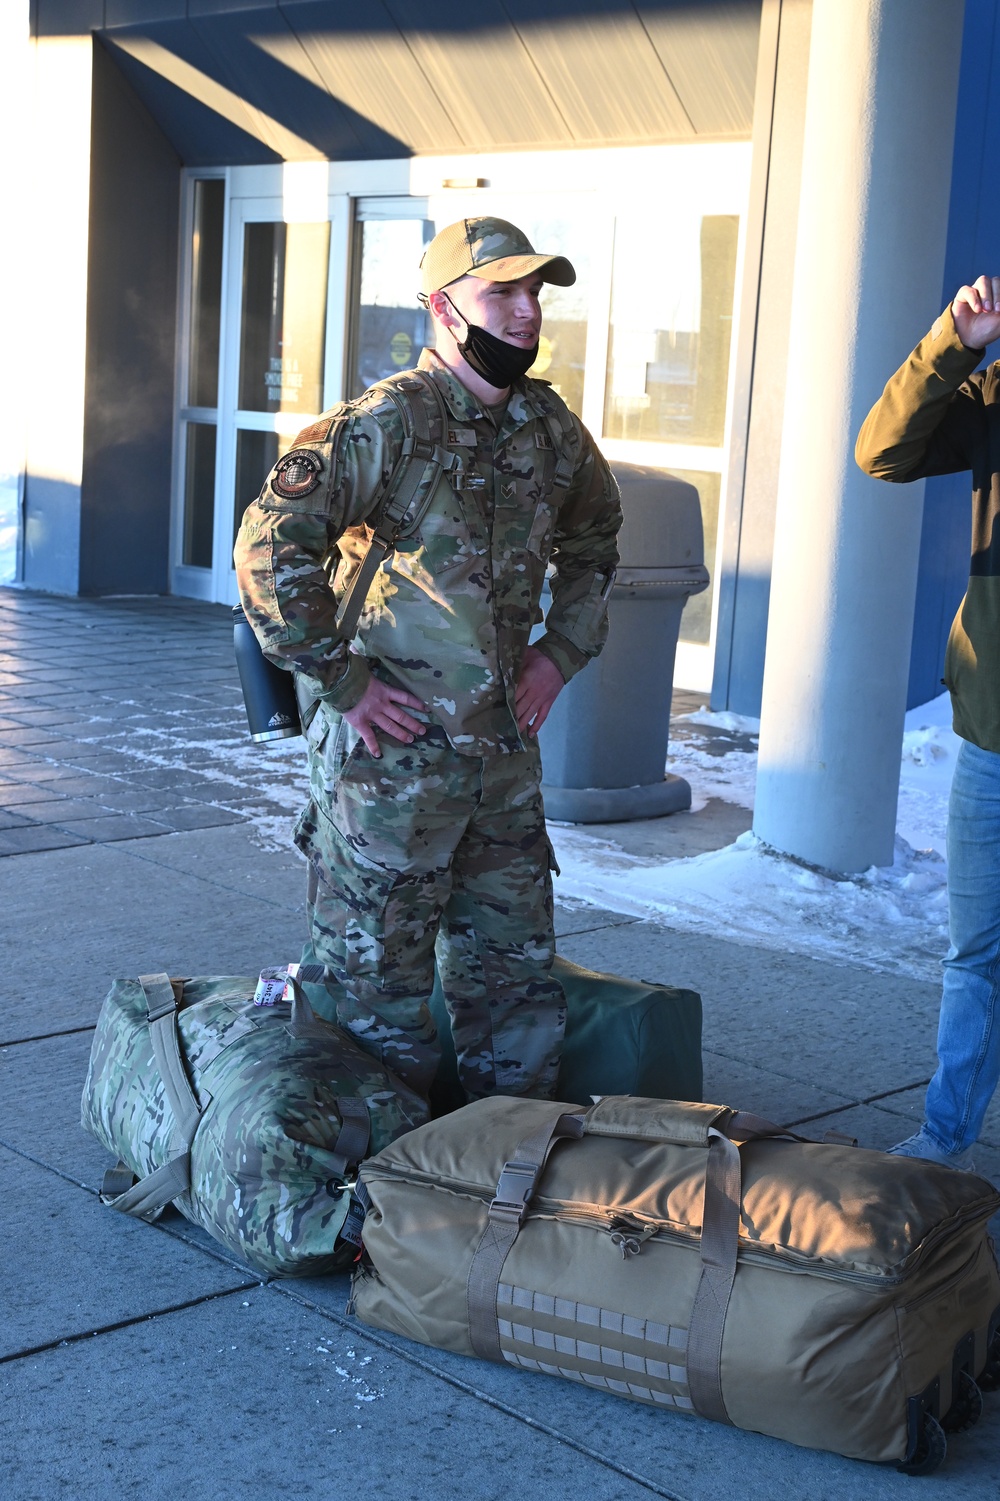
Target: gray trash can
{"x":604,"y":744}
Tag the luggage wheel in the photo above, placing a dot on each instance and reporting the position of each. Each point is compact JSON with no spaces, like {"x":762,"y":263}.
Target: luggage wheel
{"x":928,"y":1444}
{"x":967,"y":1405}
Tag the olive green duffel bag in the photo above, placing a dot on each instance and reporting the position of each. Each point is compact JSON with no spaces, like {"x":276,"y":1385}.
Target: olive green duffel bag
{"x":250,"y":1118}
{"x":622,"y":1037}
{"x":692,"y":1257}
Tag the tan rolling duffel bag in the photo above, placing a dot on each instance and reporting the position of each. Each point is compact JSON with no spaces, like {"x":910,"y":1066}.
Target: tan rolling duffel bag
{"x":692,"y":1257}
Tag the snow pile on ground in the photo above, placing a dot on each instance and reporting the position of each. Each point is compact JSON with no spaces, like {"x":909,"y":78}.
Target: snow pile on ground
{"x":892,"y":918}
{"x":732,"y":775}
{"x":930,"y":746}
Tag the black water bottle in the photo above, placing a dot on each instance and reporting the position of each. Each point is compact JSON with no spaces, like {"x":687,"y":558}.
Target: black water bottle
{"x":268,"y":690}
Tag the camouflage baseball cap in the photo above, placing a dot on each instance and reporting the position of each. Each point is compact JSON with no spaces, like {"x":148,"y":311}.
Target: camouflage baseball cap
{"x":490,"y":248}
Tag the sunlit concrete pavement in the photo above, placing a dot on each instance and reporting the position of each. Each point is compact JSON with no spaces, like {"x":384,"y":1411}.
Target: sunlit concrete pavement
{"x":142,"y":831}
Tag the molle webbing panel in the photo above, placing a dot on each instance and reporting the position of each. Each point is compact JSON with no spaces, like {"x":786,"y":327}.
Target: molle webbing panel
{"x":637,"y":1358}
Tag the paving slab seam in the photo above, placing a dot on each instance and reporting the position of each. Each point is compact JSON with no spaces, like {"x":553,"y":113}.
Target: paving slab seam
{"x":871,"y":1099}
{"x":176,"y":1231}
{"x":710,"y":1047}
{"x":15,"y":1042}
{"x":56,"y":1172}
{"x":267,"y":900}
{"x":361,"y":1331}
{"x":142,"y":1318}
{"x":623,"y":922}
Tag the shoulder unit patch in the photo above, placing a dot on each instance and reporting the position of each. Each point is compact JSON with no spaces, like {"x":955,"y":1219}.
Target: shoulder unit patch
{"x":297,"y":474}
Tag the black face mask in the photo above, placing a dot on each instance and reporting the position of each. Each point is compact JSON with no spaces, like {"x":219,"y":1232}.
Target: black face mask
{"x":498,"y":362}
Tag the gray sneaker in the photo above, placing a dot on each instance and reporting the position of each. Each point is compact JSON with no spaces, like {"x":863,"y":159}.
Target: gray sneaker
{"x":923,"y":1145}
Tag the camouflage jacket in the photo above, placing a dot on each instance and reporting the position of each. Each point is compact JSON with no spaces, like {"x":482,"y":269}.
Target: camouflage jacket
{"x":451,"y":610}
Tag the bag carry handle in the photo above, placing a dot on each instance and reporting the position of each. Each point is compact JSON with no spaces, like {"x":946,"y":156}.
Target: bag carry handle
{"x":678,"y":1122}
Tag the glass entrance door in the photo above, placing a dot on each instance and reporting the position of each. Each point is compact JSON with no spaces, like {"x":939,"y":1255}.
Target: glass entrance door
{"x":278,"y":365}
{"x":247,"y":393}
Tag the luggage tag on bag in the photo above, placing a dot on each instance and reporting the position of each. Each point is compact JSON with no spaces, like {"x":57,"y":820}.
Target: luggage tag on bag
{"x":351,"y":1229}
{"x":271,"y":985}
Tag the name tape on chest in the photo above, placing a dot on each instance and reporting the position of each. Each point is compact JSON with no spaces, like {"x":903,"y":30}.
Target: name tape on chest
{"x":462,"y":437}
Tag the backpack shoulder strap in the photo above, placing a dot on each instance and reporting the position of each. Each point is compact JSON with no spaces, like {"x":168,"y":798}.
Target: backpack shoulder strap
{"x":410,"y":489}
{"x":561,"y":428}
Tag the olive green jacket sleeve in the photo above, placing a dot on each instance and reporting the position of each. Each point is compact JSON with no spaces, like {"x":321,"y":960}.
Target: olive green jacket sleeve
{"x":286,"y":544}
{"x":931,"y":418}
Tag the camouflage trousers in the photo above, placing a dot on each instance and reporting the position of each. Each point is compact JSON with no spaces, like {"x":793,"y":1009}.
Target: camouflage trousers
{"x":429,"y":850}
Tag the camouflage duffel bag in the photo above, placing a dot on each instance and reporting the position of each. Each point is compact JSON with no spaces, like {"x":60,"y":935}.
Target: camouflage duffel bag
{"x":251,"y":1118}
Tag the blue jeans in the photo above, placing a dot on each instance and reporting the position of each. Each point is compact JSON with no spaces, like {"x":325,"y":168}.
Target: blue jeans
{"x":969,"y":1027}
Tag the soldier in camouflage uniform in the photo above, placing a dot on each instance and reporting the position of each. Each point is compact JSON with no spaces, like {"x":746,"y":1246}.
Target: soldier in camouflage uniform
{"x":425,"y":819}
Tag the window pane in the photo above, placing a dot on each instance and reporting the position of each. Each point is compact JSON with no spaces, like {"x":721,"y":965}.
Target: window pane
{"x":283,"y":323}
{"x":199,"y":494}
{"x":256,"y":455}
{"x":206,"y":292}
{"x":671,"y":325}
{"x":390,"y":327}
{"x":696,"y":621}
{"x":563,"y":345}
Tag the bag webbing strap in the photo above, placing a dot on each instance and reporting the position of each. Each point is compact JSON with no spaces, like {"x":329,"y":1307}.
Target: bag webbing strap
{"x":421,"y":461}
{"x":515,"y":1188}
{"x":355,"y":1134}
{"x":146,"y":1197}
{"x":743,"y":1125}
{"x":161,"y":1013}
{"x":720,"y":1238}
{"x":720,"y":1235}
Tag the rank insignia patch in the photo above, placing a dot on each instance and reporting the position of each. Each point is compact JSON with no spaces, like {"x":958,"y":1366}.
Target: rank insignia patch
{"x":297,"y":474}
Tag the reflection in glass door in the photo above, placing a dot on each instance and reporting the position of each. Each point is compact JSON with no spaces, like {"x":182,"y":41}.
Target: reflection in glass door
{"x":388,"y":326}
{"x":282,"y":343}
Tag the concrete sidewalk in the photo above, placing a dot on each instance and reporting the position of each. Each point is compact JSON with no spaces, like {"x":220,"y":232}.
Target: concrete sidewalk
{"x":144,"y":832}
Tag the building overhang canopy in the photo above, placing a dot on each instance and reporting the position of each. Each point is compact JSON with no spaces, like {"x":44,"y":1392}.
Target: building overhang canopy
{"x":317,"y":79}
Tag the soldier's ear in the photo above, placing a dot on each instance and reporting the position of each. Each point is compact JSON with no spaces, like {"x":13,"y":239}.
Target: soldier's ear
{"x":443,"y":309}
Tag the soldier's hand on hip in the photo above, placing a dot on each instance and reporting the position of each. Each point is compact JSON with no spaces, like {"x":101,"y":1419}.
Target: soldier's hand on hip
{"x":976,"y":311}
{"x":382,"y":707}
{"x":537,"y":689}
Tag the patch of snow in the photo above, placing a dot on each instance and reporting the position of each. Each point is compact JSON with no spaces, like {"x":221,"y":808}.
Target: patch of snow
{"x":737,"y":724}
{"x":892,"y":918}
